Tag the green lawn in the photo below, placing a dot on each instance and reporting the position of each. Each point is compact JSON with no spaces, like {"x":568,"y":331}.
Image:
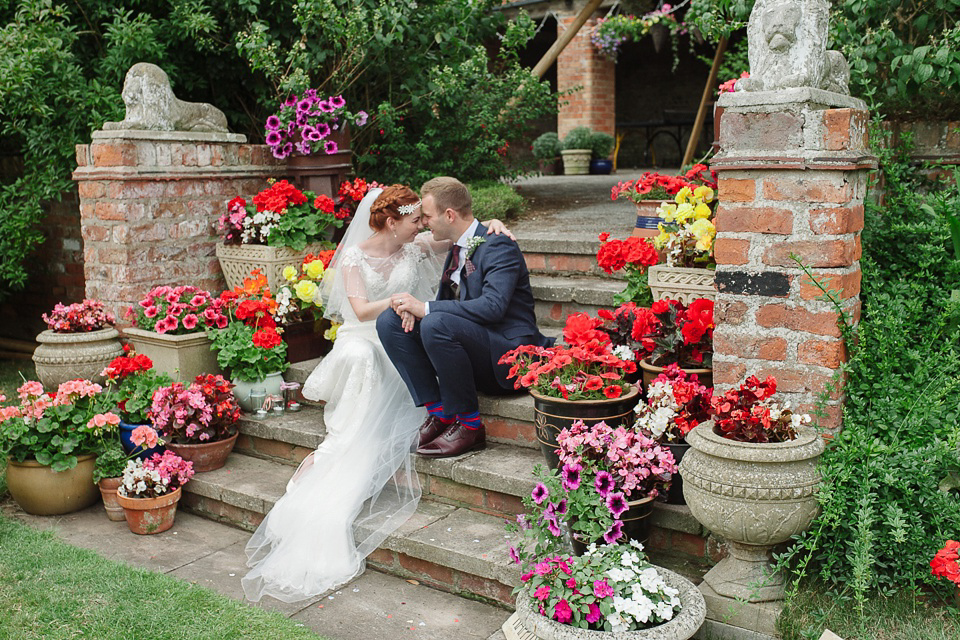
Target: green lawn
{"x":900,"y":617}
{"x":51,"y":590}
{"x":10,"y":375}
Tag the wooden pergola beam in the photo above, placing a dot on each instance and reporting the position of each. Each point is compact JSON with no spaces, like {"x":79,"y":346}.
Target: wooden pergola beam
{"x":554,"y":52}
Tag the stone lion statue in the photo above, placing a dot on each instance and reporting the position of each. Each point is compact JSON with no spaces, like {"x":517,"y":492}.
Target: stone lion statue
{"x":151,"y":105}
{"x":787,"y":44}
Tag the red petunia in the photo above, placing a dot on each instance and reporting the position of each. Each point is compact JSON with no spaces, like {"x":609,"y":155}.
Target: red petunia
{"x":613,"y":391}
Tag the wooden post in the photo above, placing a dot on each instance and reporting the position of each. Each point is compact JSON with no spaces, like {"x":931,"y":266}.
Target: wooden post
{"x":554,"y":52}
{"x":704,"y":101}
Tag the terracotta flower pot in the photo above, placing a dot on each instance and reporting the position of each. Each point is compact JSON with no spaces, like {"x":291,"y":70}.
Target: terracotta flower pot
{"x":108,"y":490}
{"x":67,"y":356}
{"x":651,"y":371}
{"x":683,"y":626}
{"x":552,"y":415}
{"x":150,"y":515}
{"x":207,"y":456}
{"x":41,"y":491}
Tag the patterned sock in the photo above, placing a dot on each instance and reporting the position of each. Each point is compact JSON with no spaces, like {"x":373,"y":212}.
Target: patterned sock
{"x":435,"y":409}
{"x":470,"y":420}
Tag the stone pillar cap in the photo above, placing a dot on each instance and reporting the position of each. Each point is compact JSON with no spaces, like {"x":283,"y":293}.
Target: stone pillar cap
{"x":785,"y":97}
{"x":168,"y":136}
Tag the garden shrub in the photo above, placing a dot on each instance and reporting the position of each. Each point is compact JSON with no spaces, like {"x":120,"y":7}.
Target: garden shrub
{"x":883,"y":515}
{"x":496,"y":200}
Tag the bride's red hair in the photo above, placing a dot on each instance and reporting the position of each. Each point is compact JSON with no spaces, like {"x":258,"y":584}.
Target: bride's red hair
{"x":387,"y":203}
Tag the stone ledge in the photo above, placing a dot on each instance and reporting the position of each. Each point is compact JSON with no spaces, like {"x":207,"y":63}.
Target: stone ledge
{"x":785,"y":98}
{"x":168,"y":136}
{"x":581,"y":245}
{"x":304,"y":428}
{"x":588,"y":291}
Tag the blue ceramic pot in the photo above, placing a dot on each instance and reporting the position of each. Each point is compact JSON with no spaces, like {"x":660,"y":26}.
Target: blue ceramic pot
{"x":601,"y":166}
{"x":126,"y":431}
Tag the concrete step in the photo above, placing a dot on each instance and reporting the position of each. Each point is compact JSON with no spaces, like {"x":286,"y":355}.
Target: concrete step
{"x":559,"y":296}
{"x":575,"y":256}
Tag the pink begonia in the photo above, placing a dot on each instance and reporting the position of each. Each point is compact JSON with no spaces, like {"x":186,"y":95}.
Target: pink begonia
{"x":144,"y":434}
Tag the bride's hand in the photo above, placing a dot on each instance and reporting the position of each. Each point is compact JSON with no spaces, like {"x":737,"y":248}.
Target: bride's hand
{"x":407,"y":321}
{"x":497,"y":227}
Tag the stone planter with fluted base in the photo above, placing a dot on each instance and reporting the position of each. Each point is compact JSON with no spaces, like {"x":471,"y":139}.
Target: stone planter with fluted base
{"x":576,"y":162}
{"x":238,"y":261}
{"x":67,"y":356}
{"x":755,"y":495}
{"x":182,"y":357}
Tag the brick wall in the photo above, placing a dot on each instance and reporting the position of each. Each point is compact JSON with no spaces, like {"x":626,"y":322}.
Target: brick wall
{"x":792,"y":180}
{"x":148,"y":207}
{"x":580,"y":64}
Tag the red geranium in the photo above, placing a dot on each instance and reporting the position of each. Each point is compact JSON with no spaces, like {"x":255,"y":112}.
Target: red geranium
{"x":324,"y":203}
{"x":278,"y":197}
{"x":581,"y":329}
{"x":945,"y":562}
{"x":267,"y":338}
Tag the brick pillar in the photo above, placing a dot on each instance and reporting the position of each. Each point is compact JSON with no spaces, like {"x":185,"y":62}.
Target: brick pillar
{"x":581,"y":65}
{"x":149,"y":201}
{"x":793,"y":173}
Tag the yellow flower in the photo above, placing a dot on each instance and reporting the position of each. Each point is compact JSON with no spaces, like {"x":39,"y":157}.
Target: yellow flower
{"x":683,"y":195}
{"x":684,"y":212}
{"x":704,"y":193}
{"x":704,"y":231}
{"x":314,"y":269}
{"x":306,"y":290}
{"x":701,"y":211}
{"x":667,"y":211}
{"x":289,"y":273}
{"x":661,"y":240}
{"x":331,"y":333}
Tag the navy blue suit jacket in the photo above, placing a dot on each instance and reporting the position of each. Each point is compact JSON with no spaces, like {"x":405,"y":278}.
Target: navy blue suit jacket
{"x":495,"y":293}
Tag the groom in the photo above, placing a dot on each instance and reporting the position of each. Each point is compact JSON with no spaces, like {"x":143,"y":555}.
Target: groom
{"x":483,"y":309}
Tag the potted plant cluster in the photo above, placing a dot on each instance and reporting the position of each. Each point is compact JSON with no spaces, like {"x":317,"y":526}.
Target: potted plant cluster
{"x":250,"y":347}
{"x":150,"y":489}
{"x":78,"y":342}
{"x":132,"y":381}
{"x":611,"y":32}
{"x":676,"y":403}
{"x":674,"y":333}
{"x":198,"y":422}
{"x":601,"y":146}
{"x":170,"y":327}
{"x":650,"y":189}
{"x":610,"y":589}
{"x":751,"y":476}
{"x":113,"y":458}
{"x":278,"y":228}
{"x":633,"y":256}
{"x":51,"y":441}
{"x":584,"y":381}
{"x":546,"y":149}
{"x":577,"y":152}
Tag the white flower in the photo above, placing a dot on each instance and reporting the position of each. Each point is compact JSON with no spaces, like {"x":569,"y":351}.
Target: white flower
{"x":624,"y":352}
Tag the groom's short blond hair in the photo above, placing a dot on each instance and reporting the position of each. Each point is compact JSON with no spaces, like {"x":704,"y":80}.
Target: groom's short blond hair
{"x":448,"y":193}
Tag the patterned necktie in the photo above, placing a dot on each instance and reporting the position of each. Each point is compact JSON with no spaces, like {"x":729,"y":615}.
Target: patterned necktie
{"x":447,"y":277}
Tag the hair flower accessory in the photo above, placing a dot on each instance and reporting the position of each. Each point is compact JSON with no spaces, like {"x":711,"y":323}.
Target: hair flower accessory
{"x":407,"y":209}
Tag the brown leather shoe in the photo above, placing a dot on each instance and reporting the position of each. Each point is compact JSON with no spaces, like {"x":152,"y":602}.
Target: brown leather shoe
{"x":455,"y":441}
{"x":431,"y":429}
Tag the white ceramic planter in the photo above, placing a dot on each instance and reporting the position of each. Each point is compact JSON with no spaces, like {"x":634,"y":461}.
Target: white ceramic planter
{"x":183,"y":357}
{"x":66,"y":356}
{"x":681,"y":283}
{"x":237,"y":261}
{"x":755,"y":496}
{"x":576,"y":162}
{"x":683,"y":626}
{"x":242,"y":388}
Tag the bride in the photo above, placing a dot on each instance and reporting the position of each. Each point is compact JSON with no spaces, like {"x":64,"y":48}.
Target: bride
{"x":360,"y":484}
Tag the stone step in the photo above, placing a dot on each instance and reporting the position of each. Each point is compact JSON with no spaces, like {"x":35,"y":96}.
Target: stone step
{"x":563,"y":256}
{"x":559,"y":296}
{"x":448,"y":547}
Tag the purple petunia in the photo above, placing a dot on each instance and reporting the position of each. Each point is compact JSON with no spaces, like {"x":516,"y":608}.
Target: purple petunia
{"x":361,"y":118}
{"x":562,"y":507}
{"x":614,"y":532}
{"x":325,"y":106}
{"x":311,"y":133}
{"x":323,"y":129}
{"x":303,"y":148}
{"x":273,"y":123}
{"x":337,"y":102}
{"x":554,"y":527}
{"x":291,"y":101}
{"x":571,"y":476}
{"x":617,"y":504}
{"x":603,"y":483}
{"x":540,"y":493}
{"x":310,"y":94}
{"x":514,"y":555}
{"x":286,"y":149}
{"x":330,"y":147}
{"x":304,"y":105}
{"x":522,"y":522}
{"x":274,"y":138}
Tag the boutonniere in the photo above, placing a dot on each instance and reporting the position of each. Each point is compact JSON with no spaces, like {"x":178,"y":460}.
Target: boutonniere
{"x":473,"y":243}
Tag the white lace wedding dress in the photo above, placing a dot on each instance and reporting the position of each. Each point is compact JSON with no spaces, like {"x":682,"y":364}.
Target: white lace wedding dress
{"x":360,"y":484}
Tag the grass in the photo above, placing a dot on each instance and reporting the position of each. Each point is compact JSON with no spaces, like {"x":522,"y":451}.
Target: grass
{"x":51,"y":590}
{"x":10,"y":375}
{"x":904,"y":616}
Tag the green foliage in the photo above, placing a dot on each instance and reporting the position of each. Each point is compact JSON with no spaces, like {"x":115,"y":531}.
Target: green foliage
{"x":111,"y":461}
{"x":547,"y":146}
{"x":883,"y":513}
{"x":135,"y":393}
{"x":601,"y":144}
{"x":496,"y":200}
{"x":578,"y":138}
{"x":245,"y":360}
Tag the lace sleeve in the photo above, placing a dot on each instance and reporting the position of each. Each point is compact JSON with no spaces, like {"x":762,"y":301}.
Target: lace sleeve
{"x":353,"y":284}
{"x":432,"y":247}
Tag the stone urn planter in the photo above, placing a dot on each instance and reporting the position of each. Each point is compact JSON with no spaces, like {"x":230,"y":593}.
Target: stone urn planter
{"x":67,"y":356}
{"x":183,"y":357}
{"x":108,"y":491}
{"x":754,"y":495}
{"x":576,"y":162}
{"x":683,"y":626}
{"x":150,"y":515}
{"x":681,"y":283}
{"x":237,"y":261}
{"x":552,"y":415}
{"x":41,"y":491}
{"x":206,"y":456}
